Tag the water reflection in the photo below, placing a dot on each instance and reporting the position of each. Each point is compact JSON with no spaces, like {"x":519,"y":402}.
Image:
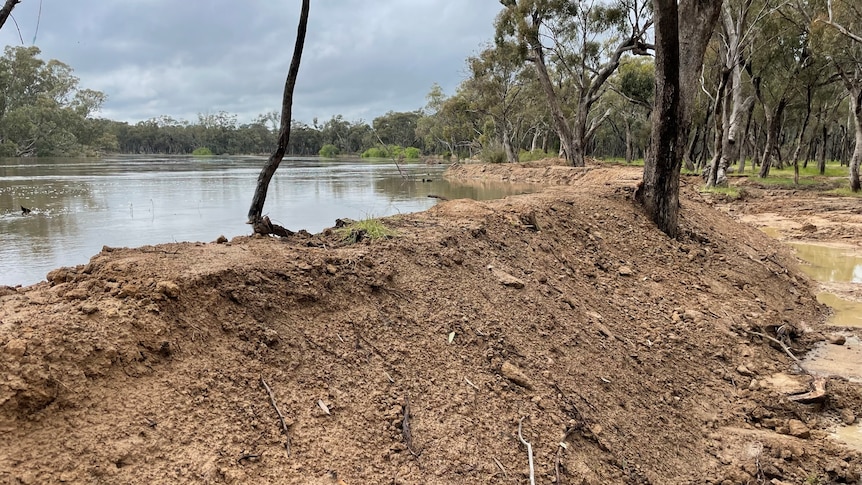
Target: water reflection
{"x":829,"y":264}
{"x":79,"y":205}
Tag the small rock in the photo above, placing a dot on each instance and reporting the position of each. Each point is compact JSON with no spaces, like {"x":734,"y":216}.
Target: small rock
{"x":753,"y":385}
{"x":798,"y":429}
{"x":330,"y":269}
{"x":625,"y":271}
{"x":692,"y":315}
{"x":808,"y":227}
{"x":15,"y":348}
{"x":221,"y":240}
{"x":76,"y":294}
{"x":128,"y":290}
{"x":516,"y":375}
{"x":506,"y":279}
{"x":89,"y":308}
{"x":742,"y":369}
{"x":168,"y":288}
{"x":848,"y":416}
{"x":837,"y":339}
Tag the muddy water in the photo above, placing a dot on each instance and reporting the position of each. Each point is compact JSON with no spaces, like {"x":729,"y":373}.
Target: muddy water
{"x":79,"y":205}
{"x":837,"y":268}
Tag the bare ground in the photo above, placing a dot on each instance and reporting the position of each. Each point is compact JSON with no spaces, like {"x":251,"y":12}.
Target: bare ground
{"x":626,"y":356}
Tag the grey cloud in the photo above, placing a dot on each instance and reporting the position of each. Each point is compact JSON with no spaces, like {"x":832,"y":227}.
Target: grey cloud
{"x":162,"y":57}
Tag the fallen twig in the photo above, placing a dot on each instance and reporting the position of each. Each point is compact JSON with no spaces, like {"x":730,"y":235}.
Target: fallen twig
{"x":284,"y":426}
{"x":249,"y":457}
{"x":563,"y":446}
{"x":783,"y":347}
{"x":500,"y":466}
{"x":406,"y":433}
{"x":474,"y":386}
{"x":529,"y":452}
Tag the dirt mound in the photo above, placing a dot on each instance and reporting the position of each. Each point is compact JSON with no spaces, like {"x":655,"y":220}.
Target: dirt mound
{"x":625,"y":356}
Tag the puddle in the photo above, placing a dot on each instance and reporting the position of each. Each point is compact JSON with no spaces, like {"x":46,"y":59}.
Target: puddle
{"x":836,"y":360}
{"x":849,"y":435}
{"x":837,"y":268}
{"x":846,"y":313}
{"x":829,"y":264}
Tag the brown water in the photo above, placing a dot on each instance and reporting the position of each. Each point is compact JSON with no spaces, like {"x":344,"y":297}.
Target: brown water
{"x":79,"y":205}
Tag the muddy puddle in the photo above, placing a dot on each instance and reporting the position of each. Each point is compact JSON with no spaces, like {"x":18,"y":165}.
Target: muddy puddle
{"x":838,"y":269}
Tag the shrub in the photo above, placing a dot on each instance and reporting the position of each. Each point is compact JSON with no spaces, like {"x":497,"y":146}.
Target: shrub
{"x":328,"y":151}
{"x":367,"y":228}
{"x":532,"y":156}
{"x":412,"y":153}
{"x":202,"y":152}
{"x":375,"y":152}
{"x":493,"y":155}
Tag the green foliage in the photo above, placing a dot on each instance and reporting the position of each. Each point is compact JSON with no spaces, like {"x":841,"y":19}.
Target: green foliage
{"x":202,"y":152}
{"x":370,"y":228}
{"x":328,"y":151}
{"x":412,"y":153}
{"x":729,"y":191}
{"x":527,"y":156}
{"x":42,"y":110}
{"x":845,"y":192}
{"x":493,"y":155}
{"x":375,"y":152}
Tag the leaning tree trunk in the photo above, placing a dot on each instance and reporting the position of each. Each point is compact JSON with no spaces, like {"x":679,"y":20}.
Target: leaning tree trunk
{"x":560,"y":123}
{"x":6,"y":11}
{"x":713,"y":177}
{"x":262,"y":225}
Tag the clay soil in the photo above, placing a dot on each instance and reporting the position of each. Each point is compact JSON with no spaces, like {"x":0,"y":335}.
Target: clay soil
{"x":623,"y":355}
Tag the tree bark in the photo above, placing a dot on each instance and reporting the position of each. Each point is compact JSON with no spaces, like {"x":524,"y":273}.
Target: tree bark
{"x":680,"y":47}
{"x":6,"y":11}
{"x":256,"y":210}
{"x":856,"y":159}
{"x":773,"y":129}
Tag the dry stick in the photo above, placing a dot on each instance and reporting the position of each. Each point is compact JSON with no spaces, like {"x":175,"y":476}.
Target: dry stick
{"x":784,"y":347}
{"x":405,"y":428}
{"x":280,"y":416}
{"x":529,"y":452}
{"x":500,"y":465}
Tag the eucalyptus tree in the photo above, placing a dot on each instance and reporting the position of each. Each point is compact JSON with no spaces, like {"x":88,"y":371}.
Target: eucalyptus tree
{"x":780,"y":60}
{"x":738,"y":36}
{"x":682,"y":31}
{"x":631,"y":102}
{"x":42,"y":109}
{"x":494,"y":89}
{"x":586,"y":41}
{"x":841,"y":42}
{"x":449,"y":124}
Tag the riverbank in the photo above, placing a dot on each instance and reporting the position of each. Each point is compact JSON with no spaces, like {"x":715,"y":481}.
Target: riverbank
{"x":625,"y":356}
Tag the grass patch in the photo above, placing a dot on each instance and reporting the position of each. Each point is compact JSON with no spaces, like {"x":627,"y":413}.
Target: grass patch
{"x":845,"y":192}
{"x":730,"y":191}
{"x":833,"y":169}
{"x":370,"y":228}
{"x":783,"y":181}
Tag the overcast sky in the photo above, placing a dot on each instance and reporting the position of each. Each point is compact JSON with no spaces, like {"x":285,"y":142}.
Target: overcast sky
{"x":361,"y":59}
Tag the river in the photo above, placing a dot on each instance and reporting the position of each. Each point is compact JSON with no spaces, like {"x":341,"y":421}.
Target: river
{"x":79,"y":205}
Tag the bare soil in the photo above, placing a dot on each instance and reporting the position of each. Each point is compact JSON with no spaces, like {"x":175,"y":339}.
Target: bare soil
{"x":625,"y":356}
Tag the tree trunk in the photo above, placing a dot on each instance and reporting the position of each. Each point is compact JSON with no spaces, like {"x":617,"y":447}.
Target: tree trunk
{"x":680,"y":46}
{"x":506,"y":140}
{"x":560,"y":123}
{"x":741,"y":142}
{"x":821,"y":150}
{"x":773,"y":128}
{"x":714,"y":177}
{"x":629,"y":142}
{"x":256,"y":210}
{"x":856,"y":159}
{"x":6,"y":11}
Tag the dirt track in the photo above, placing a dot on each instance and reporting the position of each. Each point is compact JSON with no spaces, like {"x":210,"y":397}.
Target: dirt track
{"x":564,"y":307}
